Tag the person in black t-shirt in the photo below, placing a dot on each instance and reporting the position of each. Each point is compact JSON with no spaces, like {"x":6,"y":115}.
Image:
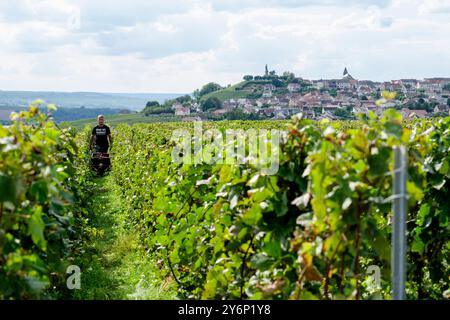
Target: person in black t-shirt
{"x":101,"y":136}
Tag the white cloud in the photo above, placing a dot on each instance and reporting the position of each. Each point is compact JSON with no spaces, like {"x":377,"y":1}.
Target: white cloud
{"x":435,"y":6}
{"x":176,"y":46}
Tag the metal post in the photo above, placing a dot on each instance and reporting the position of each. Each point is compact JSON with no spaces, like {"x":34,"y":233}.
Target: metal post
{"x":399,"y":206}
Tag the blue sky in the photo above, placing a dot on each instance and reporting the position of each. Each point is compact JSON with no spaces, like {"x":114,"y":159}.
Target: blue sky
{"x":177,"y":46}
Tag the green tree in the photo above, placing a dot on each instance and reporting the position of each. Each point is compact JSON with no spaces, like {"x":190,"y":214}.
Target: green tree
{"x":211,"y":103}
{"x":158,"y":110}
{"x":248,"y":77}
{"x":184,"y":99}
{"x":152,"y":104}
{"x":254,"y":95}
{"x":239,"y":114}
{"x":208,"y":88}
{"x":333,"y":92}
{"x":277,"y":83}
{"x":288,"y":76}
{"x":150,"y":107}
{"x":343,"y":114}
{"x":196,"y":94}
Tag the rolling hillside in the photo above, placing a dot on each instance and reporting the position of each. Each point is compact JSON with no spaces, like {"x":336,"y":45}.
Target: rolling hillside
{"x":132,"y":101}
{"x":114,"y":120}
{"x":228,"y":93}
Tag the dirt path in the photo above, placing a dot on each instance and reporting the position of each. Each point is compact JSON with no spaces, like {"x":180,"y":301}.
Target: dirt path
{"x":114,"y":265}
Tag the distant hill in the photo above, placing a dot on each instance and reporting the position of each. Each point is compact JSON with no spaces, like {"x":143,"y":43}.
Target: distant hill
{"x":132,"y":101}
{"x":114,"y":120}
{"x":64,"y":114}
{"x":231,"y":92}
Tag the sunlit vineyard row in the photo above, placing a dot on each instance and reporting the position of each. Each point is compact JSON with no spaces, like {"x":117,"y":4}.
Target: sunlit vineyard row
{"x":230,"y":231}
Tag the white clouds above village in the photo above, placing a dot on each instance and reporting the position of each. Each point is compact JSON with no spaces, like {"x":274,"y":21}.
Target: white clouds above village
{"x":176,"y":46}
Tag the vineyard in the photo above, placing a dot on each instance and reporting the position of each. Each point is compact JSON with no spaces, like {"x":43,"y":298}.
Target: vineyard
{"x":230,"y":230}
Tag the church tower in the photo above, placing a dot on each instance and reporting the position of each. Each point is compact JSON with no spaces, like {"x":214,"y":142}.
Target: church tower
{"x":347,"y":75}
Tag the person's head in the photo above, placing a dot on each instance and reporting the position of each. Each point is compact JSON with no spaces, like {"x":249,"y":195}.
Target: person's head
{"x":100,"y":119}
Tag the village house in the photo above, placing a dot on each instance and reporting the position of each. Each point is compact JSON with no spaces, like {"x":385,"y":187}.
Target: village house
{"x":267,"y":94}
{"x":410,"y":85}
{"x":196,"y":107}
{"x":269,"y":87}
{"x":176,"y":105}
{"x":279,"y":116}
{"x":267,"y":111}
{"x":283,"y":102}
{"x":410,"y":113}
{"x":441,"y":82}
{"x":295,"y":102}
{"x":367,"y":105}
{"x":229,"y":104}
{"x":430,"y":85}
{"x":242,"y":102}
{"x":182,"y":111}
{"x":365,"y":83}
{"x":441,"y":108}
{"x":320,"y":84}
{"x":353,"y":95}
{"x":343,"y":84}
{"x":386,"y":86}
{"x":292,"y":87}
{"x":219,"y":112}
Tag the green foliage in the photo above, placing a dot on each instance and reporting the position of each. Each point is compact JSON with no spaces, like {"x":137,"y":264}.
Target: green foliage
{"x":278,"y":83}
{"x":281,"y":90}
{"x":289,"y":77}
{"x":233,"y":92}
{"x":153,"y":107}
{"x":208,"y":88}
{"x":308,"y":232}
{"x":152,"y":104}
{"x":229,"y":231}
{"x":211,"y":104}
{"x":239,"y":114}
{"x":36,"y":204}
{"x":183,"y":99}
{"x":157,"y":110}
{"x":343,"y":114}
{"x":421,"y":104}
{"x":254,"y":95}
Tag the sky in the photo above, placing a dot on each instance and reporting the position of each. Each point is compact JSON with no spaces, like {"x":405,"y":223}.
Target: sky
{"x":176,"y":46}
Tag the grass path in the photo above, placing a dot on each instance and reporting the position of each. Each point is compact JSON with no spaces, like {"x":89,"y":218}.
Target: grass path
{"x":113,"y":264}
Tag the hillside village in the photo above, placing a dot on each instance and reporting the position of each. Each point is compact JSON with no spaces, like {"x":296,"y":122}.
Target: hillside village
{"x":279,"y":97}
